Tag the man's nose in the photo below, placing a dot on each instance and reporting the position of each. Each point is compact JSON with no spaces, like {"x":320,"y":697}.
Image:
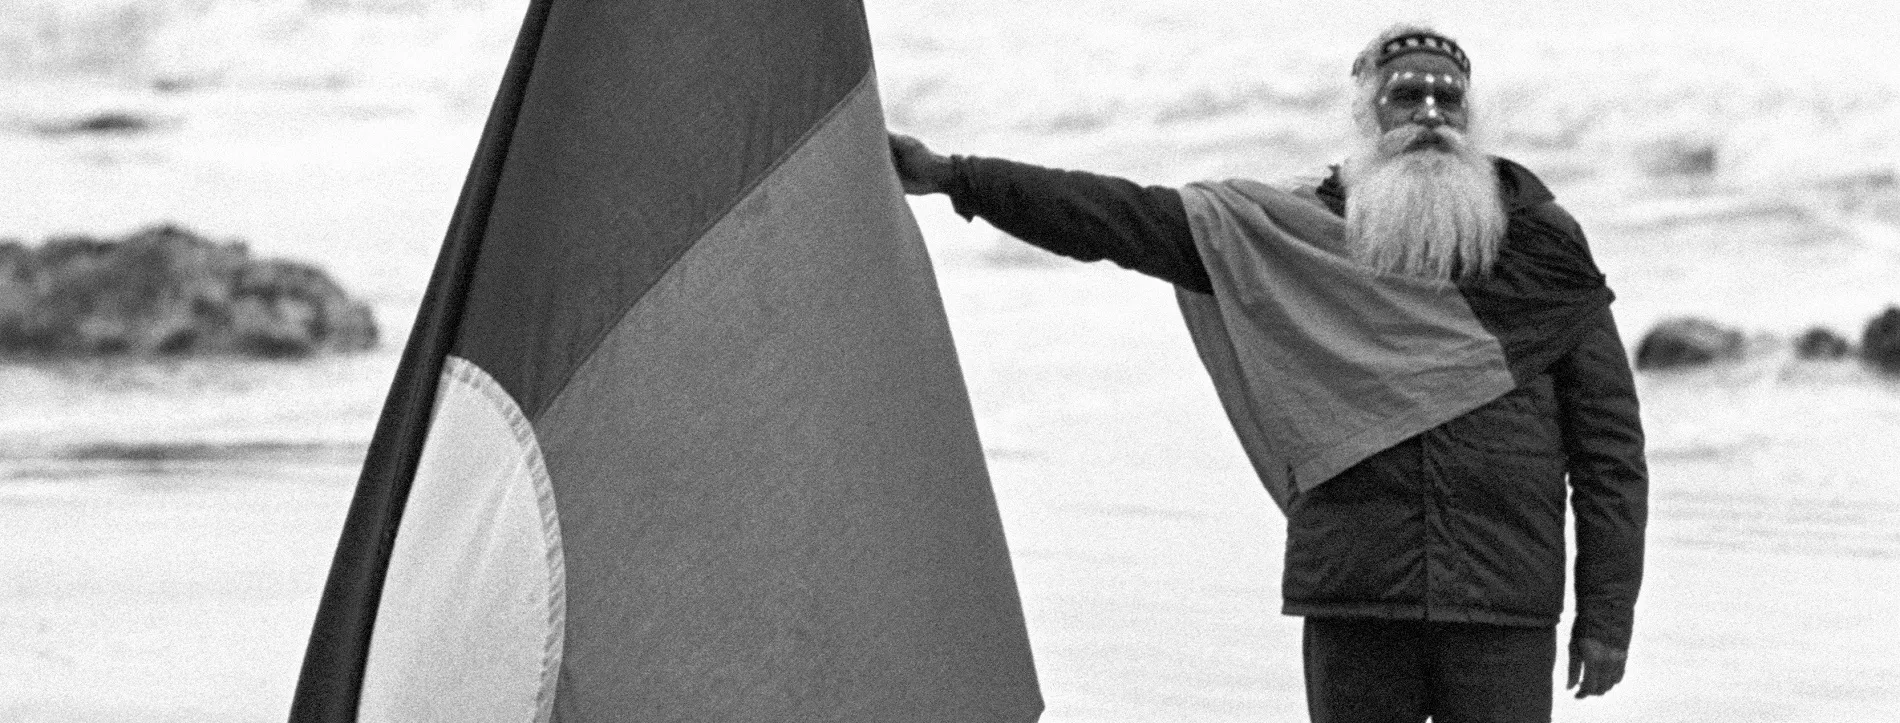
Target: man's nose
{"x":1428,"y":115}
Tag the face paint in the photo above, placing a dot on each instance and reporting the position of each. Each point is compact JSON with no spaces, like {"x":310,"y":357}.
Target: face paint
{"x":1416,"y":97}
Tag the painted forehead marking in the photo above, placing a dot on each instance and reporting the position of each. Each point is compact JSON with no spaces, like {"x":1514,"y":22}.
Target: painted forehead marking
{"x":1450,"y":79}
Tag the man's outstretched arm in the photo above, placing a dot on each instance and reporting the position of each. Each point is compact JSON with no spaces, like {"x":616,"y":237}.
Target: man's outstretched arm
{"x":1081,"y":215}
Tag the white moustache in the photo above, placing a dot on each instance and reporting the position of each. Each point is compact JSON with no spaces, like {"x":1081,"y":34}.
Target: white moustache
{"x":1417,"y":138}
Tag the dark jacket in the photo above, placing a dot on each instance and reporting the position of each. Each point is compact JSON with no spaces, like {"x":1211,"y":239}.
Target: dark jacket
{"x":1464,"y":522}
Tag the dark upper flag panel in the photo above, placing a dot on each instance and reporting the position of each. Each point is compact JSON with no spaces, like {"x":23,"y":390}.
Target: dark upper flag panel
{"x":720,"y":93}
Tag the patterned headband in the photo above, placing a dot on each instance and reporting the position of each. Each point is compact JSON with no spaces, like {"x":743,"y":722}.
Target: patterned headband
{"x":1426,"y":43}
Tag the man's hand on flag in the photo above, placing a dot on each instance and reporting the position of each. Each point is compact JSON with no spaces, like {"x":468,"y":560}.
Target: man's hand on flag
{"x":920,"y":169}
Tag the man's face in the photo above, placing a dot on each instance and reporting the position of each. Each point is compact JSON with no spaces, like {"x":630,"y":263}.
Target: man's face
{"x":1424,"y":199}
{"x":1421,"y":89}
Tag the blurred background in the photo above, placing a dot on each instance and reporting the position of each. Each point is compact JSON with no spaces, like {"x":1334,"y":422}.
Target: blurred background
{"x":165,"y":526}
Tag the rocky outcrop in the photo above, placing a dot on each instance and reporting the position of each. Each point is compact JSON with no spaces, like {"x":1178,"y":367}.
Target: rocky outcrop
{"x":1687,"y":342}
{"x":1820,"y":343}
{"x":1880,"y":341}
{"x":166,"y":291}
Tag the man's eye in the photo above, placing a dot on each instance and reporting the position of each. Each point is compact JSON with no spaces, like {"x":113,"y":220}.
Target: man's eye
{"x":1407,"y":95}
{"x":1451,"y":96}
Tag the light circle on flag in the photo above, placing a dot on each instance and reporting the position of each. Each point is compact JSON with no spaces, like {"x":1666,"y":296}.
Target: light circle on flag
{"x":470,"y":623}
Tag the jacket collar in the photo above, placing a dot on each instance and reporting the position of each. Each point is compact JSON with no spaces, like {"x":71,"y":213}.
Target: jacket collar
{"x":1518,"y":188}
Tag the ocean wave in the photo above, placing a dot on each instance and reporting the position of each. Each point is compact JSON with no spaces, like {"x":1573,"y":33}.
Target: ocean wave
{"x":168,"y":452}
{"x":1737,"y":98}
{"x":164,"y":465}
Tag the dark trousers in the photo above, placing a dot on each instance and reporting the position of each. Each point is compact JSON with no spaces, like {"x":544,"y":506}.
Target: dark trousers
{"x":1364,"y":670}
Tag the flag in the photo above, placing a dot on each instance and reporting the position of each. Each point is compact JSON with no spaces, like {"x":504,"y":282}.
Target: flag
{"x":679,"y":433}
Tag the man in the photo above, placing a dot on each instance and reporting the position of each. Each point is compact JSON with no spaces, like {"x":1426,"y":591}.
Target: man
{"x":1417,"y":353}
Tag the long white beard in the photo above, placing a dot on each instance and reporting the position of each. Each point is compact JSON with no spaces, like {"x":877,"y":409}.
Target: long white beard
{"x":1427,"y":212}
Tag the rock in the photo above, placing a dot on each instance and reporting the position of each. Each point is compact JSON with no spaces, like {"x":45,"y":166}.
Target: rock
{"x":1880,"y":341}
{"x":1687,"y":342}
{"x":1820,"y":343}
{"x":165,"y":291}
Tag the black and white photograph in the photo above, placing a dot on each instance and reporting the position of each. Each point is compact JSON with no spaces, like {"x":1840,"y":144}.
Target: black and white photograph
{"x":1078,"y":361}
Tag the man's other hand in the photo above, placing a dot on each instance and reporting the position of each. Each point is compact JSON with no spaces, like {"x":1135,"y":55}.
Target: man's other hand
{"x":1597,"y":666}
{"x":921,"y":170}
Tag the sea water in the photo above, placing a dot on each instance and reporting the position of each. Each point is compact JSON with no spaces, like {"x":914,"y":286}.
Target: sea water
{"x":164,"y":527}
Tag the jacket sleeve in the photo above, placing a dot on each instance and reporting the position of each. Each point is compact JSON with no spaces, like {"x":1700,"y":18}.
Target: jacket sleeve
{"x":1083,"y":216}
{"x":1609,"y":480}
